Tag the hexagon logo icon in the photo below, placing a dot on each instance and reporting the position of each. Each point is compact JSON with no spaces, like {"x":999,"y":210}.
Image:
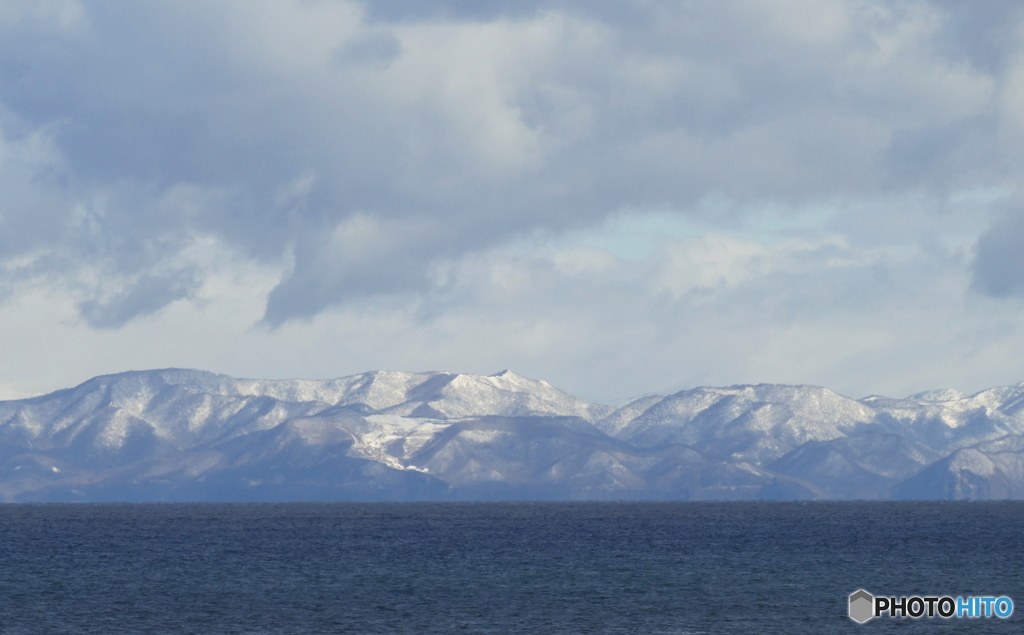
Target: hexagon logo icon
{"x":862,"y":606}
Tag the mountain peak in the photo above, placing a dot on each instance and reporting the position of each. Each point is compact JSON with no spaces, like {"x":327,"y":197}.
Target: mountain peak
{"x":938,"y":396}
{"x":511,"y":376}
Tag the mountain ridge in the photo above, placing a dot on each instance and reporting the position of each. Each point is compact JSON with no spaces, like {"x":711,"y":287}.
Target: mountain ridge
{"x":183,"y":434}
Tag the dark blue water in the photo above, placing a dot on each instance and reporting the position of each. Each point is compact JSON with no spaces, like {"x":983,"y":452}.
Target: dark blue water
{"x":499,"y":568}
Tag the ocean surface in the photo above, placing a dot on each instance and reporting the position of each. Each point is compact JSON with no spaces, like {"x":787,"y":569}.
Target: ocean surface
{"x":499,"y":567}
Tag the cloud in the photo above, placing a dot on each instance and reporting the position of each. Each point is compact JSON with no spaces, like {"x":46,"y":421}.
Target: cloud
{"x":674,"y":308}
{"x":362,"y":256}
{"x":140,"y":297}
{"x":700,"y":182}
{"x":998,"y":265}
{"x":489,"y":122}
{"x":377,"y":49}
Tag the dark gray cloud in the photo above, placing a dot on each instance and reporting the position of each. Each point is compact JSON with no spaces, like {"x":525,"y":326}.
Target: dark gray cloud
{"x":981,"y":33}
{"x":945,"y":157}
{"x":376,"y":49}
{"x":998,"y":266}
{"x":138,"y":298}
{"x":374,"y":142}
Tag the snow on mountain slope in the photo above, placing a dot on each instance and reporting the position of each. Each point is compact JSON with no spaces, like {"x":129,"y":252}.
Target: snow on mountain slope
{"x":617,"y":420}
{"x":436,"y":394}
{"x":504,"y":394}
{"x":852,"y":467}
{"x":177,"y":409}
{"x":179,"y":422}
{"x":830,"y":446}
{"x":750,"y":422}
{"x":191,"y":435}
{"x":990,"y":470}
{"x":186,"y":406}
{"x":947,"y":420}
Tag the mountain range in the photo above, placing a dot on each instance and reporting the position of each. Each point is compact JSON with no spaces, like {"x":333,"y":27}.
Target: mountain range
{"x":188,"y":435}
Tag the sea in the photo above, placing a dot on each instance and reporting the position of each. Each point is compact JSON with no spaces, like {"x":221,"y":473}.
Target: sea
{"x":578,"y":567}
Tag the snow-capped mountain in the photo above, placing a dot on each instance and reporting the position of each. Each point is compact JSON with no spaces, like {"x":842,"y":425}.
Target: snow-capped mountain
{"x":191,"y":435}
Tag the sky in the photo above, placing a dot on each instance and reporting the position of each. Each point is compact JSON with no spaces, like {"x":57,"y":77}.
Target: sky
{"x":619,"y":197}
